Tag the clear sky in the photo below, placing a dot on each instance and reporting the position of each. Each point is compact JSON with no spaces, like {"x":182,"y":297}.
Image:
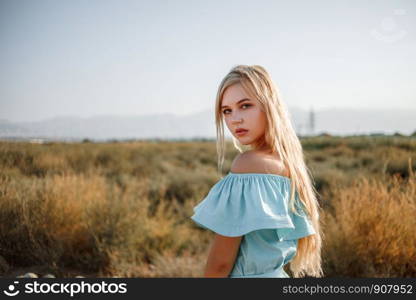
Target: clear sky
{"x":85,"y":58}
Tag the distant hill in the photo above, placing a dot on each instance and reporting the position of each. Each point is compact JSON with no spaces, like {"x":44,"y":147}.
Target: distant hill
{"x":201,"y":125}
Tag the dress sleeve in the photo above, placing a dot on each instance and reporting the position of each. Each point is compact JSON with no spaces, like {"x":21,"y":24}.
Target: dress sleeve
{"x":241,"y":203}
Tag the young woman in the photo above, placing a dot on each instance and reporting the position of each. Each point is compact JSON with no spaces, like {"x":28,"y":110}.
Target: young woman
{"x":264,"y":212}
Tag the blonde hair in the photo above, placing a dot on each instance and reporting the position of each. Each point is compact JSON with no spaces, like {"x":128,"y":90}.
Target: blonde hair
{"x":280,"y":137}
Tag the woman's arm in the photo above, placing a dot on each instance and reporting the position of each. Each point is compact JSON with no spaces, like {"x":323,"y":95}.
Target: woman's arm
{"x":222,"y":256}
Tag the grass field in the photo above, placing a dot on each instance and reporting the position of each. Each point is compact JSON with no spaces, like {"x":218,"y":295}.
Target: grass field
{"x":122,"y":209}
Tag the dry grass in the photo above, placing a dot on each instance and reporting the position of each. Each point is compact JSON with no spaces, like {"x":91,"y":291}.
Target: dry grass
{"x":371,"y":230}
{"x":122,"y":209}
{"x":85,"y":222}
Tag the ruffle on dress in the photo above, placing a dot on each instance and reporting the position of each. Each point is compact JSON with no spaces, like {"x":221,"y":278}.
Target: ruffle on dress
{"x":243,"y":202}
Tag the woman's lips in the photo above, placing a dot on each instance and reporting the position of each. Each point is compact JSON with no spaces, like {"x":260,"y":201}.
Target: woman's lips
{"x":241,"y":132}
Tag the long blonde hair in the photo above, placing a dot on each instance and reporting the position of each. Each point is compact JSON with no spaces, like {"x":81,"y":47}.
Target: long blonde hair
{"x":281,"y":138}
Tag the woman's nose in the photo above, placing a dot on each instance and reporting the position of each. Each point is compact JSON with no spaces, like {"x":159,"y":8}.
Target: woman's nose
{"x":236,"y":120}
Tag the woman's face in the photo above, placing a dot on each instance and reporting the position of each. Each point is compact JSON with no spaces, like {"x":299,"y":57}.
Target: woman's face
{"x":241,"y":111}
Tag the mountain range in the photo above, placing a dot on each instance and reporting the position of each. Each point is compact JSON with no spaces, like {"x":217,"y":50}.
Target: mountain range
{"x":334,"y":121}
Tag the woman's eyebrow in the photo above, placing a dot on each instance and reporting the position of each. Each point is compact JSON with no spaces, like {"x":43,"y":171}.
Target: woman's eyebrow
{"x":245,"y":99}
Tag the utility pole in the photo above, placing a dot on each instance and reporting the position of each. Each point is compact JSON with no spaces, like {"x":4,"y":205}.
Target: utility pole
{"x":311,"y":121}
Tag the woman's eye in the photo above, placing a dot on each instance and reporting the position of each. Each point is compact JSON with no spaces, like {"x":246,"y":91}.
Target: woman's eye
{"x":225,"y":110}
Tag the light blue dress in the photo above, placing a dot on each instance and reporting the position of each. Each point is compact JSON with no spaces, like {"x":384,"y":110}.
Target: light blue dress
{"x":255,"y":206}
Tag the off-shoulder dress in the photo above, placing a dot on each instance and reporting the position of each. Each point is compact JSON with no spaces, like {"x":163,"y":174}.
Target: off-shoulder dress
{"x":255,"y":206}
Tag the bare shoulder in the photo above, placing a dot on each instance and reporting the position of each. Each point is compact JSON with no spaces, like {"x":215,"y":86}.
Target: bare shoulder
{"x":256,"y":162}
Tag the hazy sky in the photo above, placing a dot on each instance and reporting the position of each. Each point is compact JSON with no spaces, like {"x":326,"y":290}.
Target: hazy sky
{"x":86,"y":58}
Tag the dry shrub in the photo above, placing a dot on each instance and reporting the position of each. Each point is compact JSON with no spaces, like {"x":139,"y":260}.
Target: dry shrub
{"x":371,"y":231}
{"x":85,"y":222}
{"x":50,"y":162}
{"x":166,"y":264}
{"x":71,"y":220}
{"x":43,"y":218}
{"x":123,"y":210}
